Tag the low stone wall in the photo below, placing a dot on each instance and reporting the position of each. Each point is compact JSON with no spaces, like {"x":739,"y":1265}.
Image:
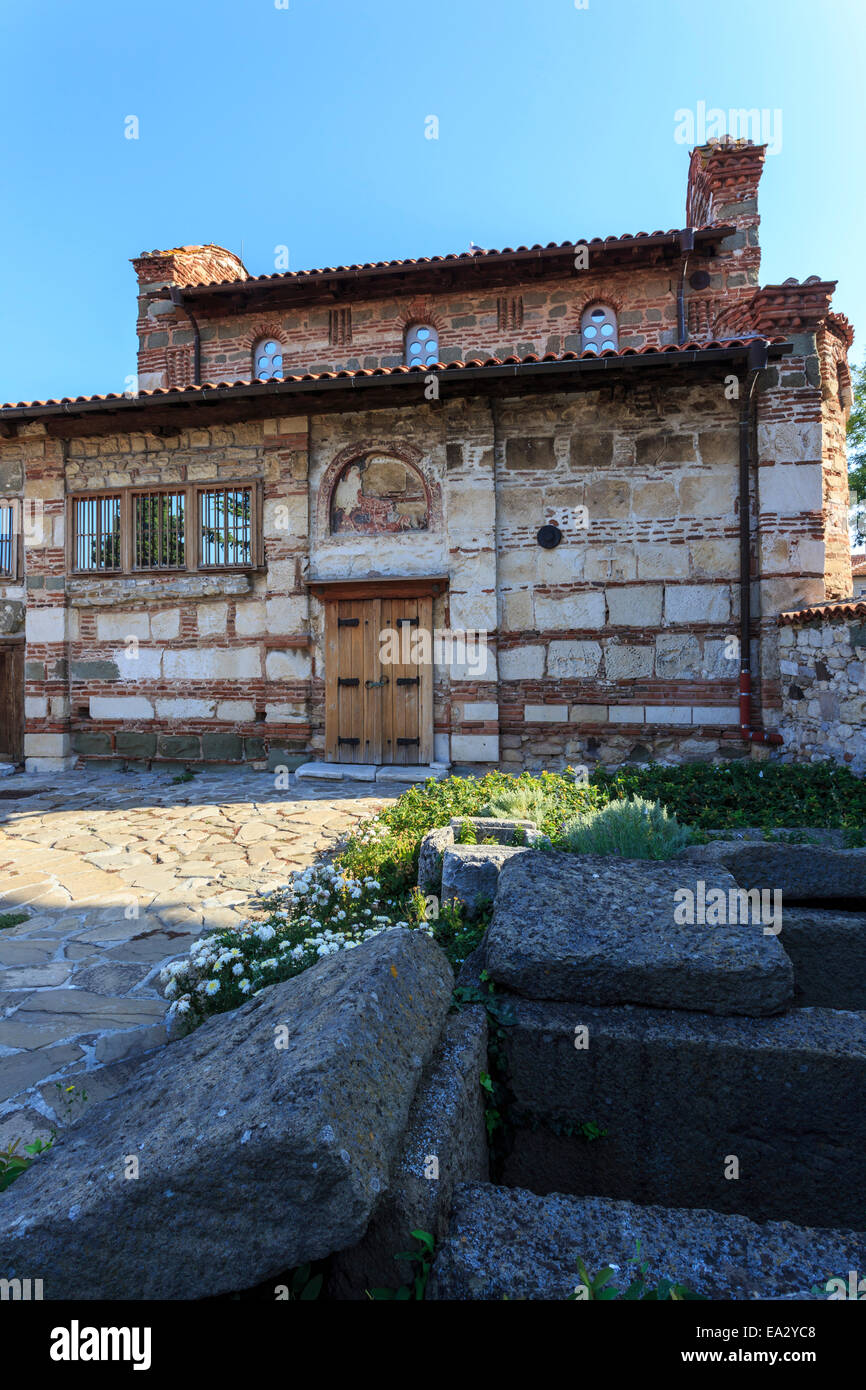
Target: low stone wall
{"x":822,"y":664}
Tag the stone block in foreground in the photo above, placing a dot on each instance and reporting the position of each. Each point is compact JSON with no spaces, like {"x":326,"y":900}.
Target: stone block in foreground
{"x":471,"y":872}
{"x":252,"y":1157}
{"x":509,"y":1243}
{"x":601,"y":930}
{"x":446,"y":1125}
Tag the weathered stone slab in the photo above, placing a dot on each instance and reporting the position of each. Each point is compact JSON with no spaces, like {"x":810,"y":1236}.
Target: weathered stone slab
{"x":827,"y":948}
{"x":307,"y":1132}
{"x":491,"y":828}
{"x":446,"y":1137}
{"x":433,"y":847}
{"x":679,"y":1093}
{"x":797,"y":871}
{"x":510,"y":1243}
{"x":471,"y":872}
{"x":600,"y":930}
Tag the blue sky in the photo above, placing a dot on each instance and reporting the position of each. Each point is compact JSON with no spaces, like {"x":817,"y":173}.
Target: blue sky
{"x":305,"y":127}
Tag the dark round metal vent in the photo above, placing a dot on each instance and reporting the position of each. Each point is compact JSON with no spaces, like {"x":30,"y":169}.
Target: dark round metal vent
{"x":699,"y":280}
{"x":549,"y":537}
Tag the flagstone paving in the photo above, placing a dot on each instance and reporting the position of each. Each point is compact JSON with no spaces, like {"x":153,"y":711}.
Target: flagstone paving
{"x":119,"y":873}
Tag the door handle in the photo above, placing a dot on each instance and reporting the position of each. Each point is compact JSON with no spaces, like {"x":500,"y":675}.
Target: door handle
{"x":374,"y":685}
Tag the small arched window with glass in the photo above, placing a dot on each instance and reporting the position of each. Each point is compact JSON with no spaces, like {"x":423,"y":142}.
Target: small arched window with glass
{"x":422,"y":345}
{"x":268,"y":359}
{"x":598,"y":328}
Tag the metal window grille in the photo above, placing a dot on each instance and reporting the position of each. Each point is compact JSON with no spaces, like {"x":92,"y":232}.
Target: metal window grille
{"x":159,"y":540}
{"x":226,"y":526}
{"x":96,"y":530}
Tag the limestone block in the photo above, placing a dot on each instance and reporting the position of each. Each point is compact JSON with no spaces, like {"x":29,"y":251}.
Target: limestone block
{"x":287,"y":613}
{"x":574,"y":610}
{"x":545,"y":714}
{"x":213,"y":663}
{"x":480,"y":710}
{"x":236,"y":711}
{"x":521,"y":663}
{"x":627,"y":662}
{"x":124,"y":707}
{"x":588,"y":714}
{"x":475,"y":748}
{"x":165,"y":625}
{"x":288,"y":666}
{"x":678,"y":655}
{"x":697,"y":603}
{"x":608,"y":498}
{"x":517,"y":613}
{"x":212,"y":619}
{"x":638,"y":605}
{"x":788,"y":489}
{"x":138,"y":663}
{"x":45,"y":625}
{"x":250,"y":618}
{"x":473,"y":612}
{"x":668,"y":714}
{"x":708,"y":494}
{"x":185,"y":709}
{"x":658,"y":561}
{"x":569,"y":660}
{"x":119,"y":627}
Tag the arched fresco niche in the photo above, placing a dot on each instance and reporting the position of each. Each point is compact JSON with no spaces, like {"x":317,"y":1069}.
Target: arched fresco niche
{"x":377,"y":493}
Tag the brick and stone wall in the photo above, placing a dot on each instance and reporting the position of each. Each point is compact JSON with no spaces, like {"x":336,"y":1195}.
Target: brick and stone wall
{"x":823,"y":667}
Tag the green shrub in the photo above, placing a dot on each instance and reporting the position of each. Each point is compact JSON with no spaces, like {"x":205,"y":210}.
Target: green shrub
{"x":522,"y":801}
{"x":634,"y":829}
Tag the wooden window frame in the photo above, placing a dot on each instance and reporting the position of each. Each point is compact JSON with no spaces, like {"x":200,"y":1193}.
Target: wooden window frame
{"x":192,"y":528}
{"x":15,"y":573}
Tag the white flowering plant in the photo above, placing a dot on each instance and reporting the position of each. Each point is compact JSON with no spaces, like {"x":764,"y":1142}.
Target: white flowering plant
{"x":322,"y":910}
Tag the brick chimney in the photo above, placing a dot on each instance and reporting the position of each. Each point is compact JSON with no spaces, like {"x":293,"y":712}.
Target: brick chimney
{"x":164,"y":354}
{"x":723,"y":188}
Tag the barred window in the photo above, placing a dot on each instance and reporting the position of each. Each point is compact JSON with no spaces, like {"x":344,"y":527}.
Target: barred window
{"x":159,"y":541}
{"x":96,"y":533}
{"x":225,"y":526}
{"x":191,"y":526}
{"x":8,"y":541}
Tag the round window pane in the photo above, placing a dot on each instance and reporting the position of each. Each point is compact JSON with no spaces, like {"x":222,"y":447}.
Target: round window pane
{"x":607,"y":330}
{"x":598,"y":314}
{"x":432,"y":357}
{"x":591,"y":347}
{"x":262,"y":364}
{"x":272,"y":347}
{"x":590,"y":331}
{"x":278,"y":360}
{"x":415,"y":350}
{"x":422,"y":333}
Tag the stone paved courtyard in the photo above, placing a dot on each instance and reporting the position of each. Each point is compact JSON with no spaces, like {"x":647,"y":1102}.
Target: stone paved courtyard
{"x":120,"y":872}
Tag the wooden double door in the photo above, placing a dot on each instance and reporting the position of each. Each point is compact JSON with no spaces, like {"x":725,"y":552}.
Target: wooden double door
{"x":11,"y":702}
{"x":379,"y":680}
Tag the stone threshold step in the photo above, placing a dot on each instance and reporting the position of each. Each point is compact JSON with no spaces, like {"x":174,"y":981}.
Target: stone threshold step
{"x":510,"y":1243}
{"x":369,"y":772}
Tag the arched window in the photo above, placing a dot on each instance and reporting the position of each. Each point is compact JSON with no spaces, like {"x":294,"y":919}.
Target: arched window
{"x":598,"y":328}
{"x":268,"y":359}
{"x":422,"y":345}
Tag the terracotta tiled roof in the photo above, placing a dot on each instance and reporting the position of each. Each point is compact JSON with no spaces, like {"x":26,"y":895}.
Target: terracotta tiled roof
{"x":858,"y":564}
{"x":445,"y":368}
{"x":847,"y":608}
{"x":596,"y":243}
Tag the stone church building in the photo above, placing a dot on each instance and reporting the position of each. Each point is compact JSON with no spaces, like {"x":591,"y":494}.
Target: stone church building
{"x":520,"y":507}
